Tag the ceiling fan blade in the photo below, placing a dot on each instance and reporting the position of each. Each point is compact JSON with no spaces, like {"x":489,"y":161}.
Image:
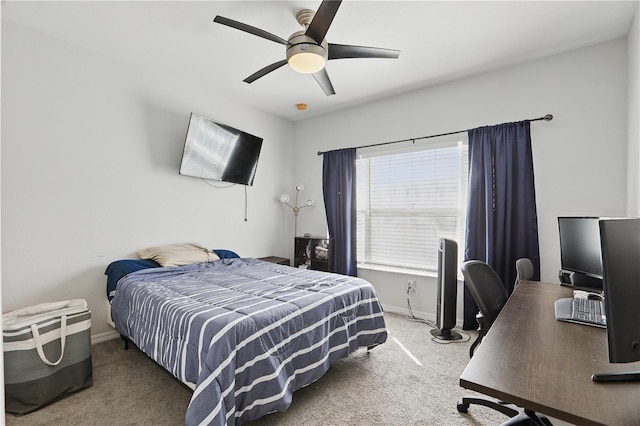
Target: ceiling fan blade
{"x":324,"y":81}
{"x":343,"y":51}
{"x":248,"y":29}
{"x":321,"y":21}
{"x":264,"y":71}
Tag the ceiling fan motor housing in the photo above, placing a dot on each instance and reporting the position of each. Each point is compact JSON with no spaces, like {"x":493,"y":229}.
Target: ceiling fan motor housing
{"x":299,"y":43}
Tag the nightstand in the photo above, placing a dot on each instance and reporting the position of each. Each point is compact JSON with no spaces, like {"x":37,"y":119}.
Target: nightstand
{"x":316,"y":250}
{"x":276,"y":259}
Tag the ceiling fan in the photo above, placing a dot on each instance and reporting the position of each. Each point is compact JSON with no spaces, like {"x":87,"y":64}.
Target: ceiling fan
{"x":307,"y":51}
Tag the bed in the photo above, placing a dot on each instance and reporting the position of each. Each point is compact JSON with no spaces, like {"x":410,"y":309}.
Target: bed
{"x":242,"y":333}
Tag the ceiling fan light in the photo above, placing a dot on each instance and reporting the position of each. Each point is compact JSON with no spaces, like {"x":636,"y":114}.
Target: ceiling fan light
{"x":304,"y":55}
{"x":306,"y":62}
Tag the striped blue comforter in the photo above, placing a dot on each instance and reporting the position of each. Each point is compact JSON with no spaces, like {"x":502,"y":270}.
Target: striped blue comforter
{"x":245,"y":334}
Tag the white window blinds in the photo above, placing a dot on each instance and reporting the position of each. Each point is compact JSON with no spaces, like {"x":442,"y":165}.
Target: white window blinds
{"x":407,"y":201}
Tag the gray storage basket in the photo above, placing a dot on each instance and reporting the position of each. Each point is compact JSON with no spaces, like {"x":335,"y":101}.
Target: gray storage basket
{"x":47,"y":354}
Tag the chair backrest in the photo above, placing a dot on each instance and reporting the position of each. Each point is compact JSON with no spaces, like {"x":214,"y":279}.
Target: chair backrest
{"x":524,"y":270}
{"x":485,"y":287}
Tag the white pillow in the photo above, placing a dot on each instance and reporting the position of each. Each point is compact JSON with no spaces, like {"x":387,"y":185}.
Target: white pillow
{"x":178,"y":254}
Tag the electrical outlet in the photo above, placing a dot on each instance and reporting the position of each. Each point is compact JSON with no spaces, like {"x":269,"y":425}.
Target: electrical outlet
{"x":411,"y":285}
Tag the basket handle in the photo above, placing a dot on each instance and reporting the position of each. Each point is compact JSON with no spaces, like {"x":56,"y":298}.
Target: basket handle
{"x":38,"y":342}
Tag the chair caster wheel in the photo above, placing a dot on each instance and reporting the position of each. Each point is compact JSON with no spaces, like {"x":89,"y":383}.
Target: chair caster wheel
{"x":462,"y":407}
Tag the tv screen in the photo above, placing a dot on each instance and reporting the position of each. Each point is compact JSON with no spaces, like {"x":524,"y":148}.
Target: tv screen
{"x":219,"y":152}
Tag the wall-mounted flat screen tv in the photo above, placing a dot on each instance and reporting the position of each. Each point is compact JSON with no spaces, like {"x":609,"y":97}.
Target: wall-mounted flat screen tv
{"x":219,"y":152}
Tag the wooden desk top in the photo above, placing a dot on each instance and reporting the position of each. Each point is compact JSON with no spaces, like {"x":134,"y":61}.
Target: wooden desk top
{"x":534,"y":361}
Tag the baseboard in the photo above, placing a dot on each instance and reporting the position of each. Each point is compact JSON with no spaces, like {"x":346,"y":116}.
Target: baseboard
{"x":107,"y":335}
{"x":404,"y":311}
{"x":103,"y":337}
{"x":419,"y":314}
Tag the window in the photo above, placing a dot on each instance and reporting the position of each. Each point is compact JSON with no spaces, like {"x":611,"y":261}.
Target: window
{"x":408,"y":200}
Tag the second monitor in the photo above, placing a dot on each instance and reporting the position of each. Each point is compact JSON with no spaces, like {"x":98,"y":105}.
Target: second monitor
{"x":580,"y":252}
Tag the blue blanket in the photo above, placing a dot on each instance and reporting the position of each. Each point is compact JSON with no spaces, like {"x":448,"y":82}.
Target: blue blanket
{"x":245,"y":334}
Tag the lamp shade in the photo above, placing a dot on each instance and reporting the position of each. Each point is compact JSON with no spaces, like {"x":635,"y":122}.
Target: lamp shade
{"x":284,"y":198}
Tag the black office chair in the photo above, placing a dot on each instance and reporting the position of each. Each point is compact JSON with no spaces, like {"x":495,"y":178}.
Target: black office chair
{"x":524,"y":270}
{"x":489,"y":293}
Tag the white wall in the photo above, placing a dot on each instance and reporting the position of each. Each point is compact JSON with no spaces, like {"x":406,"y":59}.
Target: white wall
{"x":90,"y":161}
{"x":2,"y":415}
{"x":580,"y":158}
{"x":633,"y":47}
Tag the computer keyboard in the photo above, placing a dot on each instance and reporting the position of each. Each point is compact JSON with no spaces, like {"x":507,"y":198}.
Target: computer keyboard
{"x":588,"y":310}
{"x":583,"y":311}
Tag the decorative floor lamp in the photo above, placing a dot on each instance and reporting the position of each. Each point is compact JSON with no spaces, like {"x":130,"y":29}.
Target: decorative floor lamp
{"x":284,"y":199}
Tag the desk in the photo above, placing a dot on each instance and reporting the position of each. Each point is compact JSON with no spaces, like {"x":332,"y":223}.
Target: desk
{"x":532,"y":360}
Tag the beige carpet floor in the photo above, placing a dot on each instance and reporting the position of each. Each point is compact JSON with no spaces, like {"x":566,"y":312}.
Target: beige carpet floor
{"x":409,"y":380}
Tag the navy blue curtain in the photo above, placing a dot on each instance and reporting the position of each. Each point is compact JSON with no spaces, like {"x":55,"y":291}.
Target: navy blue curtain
{"x":339,"y":188}
{"x":502,"y":224}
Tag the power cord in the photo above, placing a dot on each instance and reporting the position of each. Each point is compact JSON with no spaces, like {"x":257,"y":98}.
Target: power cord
{"x":431,"y":324}
{"x":217,"y":186}
{"x":246,"y":202}
{"x":411,"y":316}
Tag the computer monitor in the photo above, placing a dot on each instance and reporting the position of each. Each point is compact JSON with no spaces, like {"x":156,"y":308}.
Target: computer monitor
{"x":620,"y":242}
{"x":581,"y":261}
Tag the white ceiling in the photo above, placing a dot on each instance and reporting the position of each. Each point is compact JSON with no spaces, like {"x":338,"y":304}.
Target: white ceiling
{"x":439,"y":41}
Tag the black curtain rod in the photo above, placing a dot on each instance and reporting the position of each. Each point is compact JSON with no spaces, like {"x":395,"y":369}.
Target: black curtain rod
{"x":547,"y":117}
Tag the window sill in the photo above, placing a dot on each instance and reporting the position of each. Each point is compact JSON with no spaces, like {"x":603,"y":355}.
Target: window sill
{"x":399,"y":270}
